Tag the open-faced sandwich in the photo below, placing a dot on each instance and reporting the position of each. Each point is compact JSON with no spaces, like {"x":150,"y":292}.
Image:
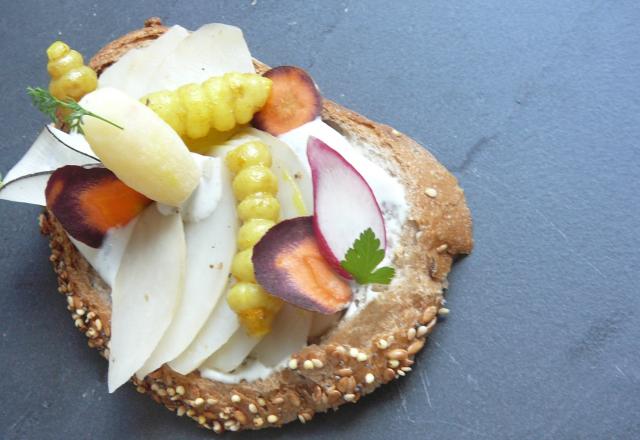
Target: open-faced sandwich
{"x":244,"y":251}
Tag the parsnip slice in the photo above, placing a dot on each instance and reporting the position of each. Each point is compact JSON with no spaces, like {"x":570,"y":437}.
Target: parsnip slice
{"x":132,"y":73}
{"x":212,"y":50}
{"x":106,"y":259}
{"x":233,"y":353}
{"x":288,"y":335}
{"x":147,"y":289}
{"x":210,"y":249}
{"x":27,"y":180}
{"x":295,"y":190}
{"x":219,"y":327}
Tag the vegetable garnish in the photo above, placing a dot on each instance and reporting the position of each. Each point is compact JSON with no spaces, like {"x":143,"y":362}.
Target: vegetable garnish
{"x":48,"y":104}
{"x":363,"y":257}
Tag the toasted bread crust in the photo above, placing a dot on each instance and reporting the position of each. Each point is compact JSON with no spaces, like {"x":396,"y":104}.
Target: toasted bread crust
{"x":356,"y":356}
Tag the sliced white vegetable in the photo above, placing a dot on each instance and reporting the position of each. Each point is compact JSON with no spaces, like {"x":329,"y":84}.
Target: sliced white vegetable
{"x":288,"y":335}
{"x":211,"y":245}
{"x":27,"y":180}
{"x":222,"y":323}
{"x":74,"y":141}
{"x":146,"y":153}
{"x":212,"y":50}
{"x":220,"y":326}
{"x":295,"y":190}
{"x":146,"y":292}
{"x":106,"y":259}
{"x":133,"y":72}
{"x":26,"y":189}
{"x":233,"y":353}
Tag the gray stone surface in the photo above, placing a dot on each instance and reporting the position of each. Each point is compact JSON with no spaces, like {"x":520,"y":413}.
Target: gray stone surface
{"x":534,"y":105}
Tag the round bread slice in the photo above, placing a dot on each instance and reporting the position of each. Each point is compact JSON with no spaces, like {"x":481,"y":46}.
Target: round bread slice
{"x":357,"y":355}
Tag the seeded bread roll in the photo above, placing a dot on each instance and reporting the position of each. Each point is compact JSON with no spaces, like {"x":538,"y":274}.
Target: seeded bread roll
{"x":357,"y":355}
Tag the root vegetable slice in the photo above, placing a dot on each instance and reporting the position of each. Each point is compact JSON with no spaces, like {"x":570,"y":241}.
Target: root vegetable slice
{"x":288,"y":335}
{"x":146,"y":292}
{"x":288,"y":264}
{"x":222,"y":323}
{"x":210,"y":249}
{"x":294,"y":100}
{"x":27,"y":180}
{"x":133,"y":72}
{"x":26,"y":189}
{"x":106,"y":259}
{"x":338,"y":188}
{"x":233,"y":353}
{"x":74,"y":141}
{"x":212,"y":50}
{"x":90,"y":201}
{"x":219,"y":327}
{"x":206,"y":198}
{"x":146,"y":154}
{"x":295,"y":191}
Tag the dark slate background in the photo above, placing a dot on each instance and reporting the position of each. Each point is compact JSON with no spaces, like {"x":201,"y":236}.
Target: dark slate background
{"x":533,"y":104}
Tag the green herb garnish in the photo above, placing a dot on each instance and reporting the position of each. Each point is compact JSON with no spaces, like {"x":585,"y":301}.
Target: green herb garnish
{"x":48,"y":104}
{"x":363,"y":258}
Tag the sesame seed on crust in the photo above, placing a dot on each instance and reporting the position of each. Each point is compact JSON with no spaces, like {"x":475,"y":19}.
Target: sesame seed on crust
{"x":431,"y":192}
{"x":422,"y":330}
{"x":369,"y":378}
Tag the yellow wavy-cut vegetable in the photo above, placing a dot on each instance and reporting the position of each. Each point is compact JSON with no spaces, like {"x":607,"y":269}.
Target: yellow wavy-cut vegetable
{"x":255,"y":187}
{"x":254,"y":306}
{"x":220,"y":103}
{"x":70,"y":78}
{"x":259,"y":205}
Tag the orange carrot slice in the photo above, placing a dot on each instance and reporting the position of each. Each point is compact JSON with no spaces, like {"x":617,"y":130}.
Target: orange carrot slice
{"x":90,"y":201}
{"x":288,"y":264}
{"x":294,"y":100}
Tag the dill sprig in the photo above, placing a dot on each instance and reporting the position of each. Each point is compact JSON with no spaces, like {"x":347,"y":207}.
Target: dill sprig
{"x":44,"y":101}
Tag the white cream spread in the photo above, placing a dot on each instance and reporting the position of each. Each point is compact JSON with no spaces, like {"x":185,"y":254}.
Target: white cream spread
{"x":251,"y":370}
{"x":206,"y":196}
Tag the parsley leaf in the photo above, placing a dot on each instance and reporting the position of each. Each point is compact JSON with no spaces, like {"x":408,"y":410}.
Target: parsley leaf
{"x":362,"y":259}
{"x":48,"y":104}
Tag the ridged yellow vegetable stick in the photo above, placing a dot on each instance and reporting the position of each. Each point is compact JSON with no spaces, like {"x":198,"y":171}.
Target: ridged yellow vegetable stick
{"x":219,"y":103}
{"x":254,"y":181}
{"x":148,"y":155}
{"x":70,"y":78}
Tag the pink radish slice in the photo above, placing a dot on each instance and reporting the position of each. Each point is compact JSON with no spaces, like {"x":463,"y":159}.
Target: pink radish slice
{"x":344,"y":204}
